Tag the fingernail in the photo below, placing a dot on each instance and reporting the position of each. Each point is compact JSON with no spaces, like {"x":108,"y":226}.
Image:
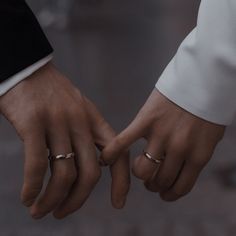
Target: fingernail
{"x":35,"y":213}
{"x":120,"y":203}
{"x":38,"y":215}
{"x":59,"y":216}
{"x":28,"y":203}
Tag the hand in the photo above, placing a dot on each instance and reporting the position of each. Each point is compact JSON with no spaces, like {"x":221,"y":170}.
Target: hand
{"x":48,"y":112}
{"x":185,"y":141}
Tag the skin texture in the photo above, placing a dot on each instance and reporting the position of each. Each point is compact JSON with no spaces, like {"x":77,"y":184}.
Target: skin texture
{"x":185,"y":141}
{"x":48,"y":112}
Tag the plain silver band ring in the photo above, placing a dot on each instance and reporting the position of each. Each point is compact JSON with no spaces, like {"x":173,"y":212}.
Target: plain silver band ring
{"x":149,"y":157}
{"x":61,"y":156}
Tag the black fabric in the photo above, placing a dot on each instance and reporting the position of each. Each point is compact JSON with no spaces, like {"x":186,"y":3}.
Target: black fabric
{"x":22,"y":41}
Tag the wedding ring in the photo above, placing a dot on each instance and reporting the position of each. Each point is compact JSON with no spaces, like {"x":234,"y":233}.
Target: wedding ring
{"x":61,"y":156}
{"x":149,"y":157}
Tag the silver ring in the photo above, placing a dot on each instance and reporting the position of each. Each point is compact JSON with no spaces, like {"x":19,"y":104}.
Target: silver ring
{"x":149,"y":157}
{"x":61,"y":156}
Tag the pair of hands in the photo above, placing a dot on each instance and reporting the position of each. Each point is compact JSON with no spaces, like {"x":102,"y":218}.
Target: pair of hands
{"x":49,"y":113}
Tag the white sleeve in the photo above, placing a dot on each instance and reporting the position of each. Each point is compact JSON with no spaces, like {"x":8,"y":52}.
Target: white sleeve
{"x":201,"y":78}
{"x":6,"y":85}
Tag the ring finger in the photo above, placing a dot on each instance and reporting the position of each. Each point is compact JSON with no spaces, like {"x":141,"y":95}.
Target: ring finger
{"x":148,"y":163}
{"x":88,"y":175}
{"x":63,"y":173}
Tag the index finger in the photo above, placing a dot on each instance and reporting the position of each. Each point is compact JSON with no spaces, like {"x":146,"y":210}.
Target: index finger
{"x":120,"y":170}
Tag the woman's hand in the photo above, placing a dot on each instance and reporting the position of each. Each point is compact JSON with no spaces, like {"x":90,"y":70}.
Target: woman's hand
{"x":184,"y":142}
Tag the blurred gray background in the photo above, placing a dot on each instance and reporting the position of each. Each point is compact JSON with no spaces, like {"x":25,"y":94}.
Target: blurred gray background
{"x":115,"y":50}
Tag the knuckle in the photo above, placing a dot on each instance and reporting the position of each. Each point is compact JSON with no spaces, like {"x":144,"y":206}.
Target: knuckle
{"x":68,"y":176}
{"x":92,"y":176}
{"x":139,"y":172}
{"x":73,"y":112}
{"x":37,"y":165}
{"x":71,"y":177}
{"x":158,"y":132}
{"x":177,"y":149}
{"x":179,"y":145}
{"x":118,"y":141}
{"x":34,"y":170}
{"x":56,"y":117}
{"x":114,"y":150}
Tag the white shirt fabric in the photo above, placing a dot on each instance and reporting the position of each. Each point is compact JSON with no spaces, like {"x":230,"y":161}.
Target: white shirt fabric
{"x":201,"y":78}
{"x":6,"y":85}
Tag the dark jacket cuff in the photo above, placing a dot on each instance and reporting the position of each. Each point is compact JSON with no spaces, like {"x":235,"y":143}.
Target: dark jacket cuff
{"x":22,"y":41}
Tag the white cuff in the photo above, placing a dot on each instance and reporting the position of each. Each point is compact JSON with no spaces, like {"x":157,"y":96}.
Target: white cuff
{"x":201,"y":78}
{"x":11,"y":82}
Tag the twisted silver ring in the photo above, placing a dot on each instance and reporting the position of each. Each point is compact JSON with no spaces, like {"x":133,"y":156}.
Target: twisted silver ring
{"x":61,"y":156}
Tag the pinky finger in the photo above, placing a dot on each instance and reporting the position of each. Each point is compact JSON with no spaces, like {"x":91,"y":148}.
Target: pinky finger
{"x":120,"y":185}
{"x":120,"y":171}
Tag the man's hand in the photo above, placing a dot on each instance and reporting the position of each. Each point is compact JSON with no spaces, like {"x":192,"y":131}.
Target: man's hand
{"x":185,"y":141}
{"x":49,"y":113}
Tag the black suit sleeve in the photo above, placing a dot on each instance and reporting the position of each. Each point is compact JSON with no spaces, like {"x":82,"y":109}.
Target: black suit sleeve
{"x":22,"y":41}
